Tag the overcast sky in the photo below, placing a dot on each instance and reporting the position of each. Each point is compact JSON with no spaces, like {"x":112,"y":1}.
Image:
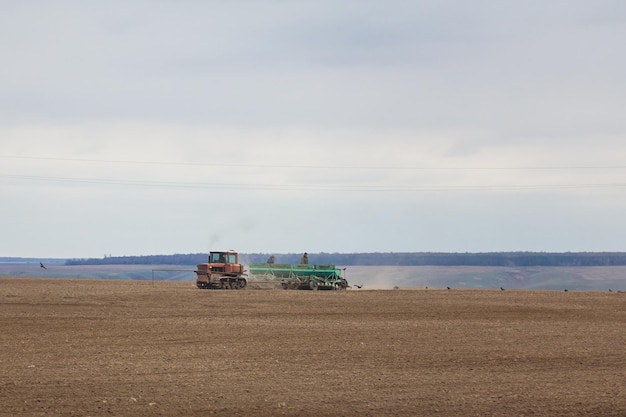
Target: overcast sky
{"x":161,"y":127}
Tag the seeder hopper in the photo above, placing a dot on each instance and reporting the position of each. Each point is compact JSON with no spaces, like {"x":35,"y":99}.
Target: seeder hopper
{"x":300,"y":277}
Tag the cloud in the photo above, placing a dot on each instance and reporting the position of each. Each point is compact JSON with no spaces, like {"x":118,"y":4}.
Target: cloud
{"x":309,"y":64}
{"x":289,"y":122}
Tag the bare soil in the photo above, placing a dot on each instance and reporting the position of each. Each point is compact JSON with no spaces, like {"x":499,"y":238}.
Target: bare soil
{"x":140,"y":348}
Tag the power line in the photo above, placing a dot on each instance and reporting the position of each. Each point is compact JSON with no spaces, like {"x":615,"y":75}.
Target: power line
{"x":312,"y":187}
{"x":325,"y":167}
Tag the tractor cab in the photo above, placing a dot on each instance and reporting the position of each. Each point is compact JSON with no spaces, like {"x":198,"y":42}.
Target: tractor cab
{"x":225,"y":262}
{"x":229,"y":257}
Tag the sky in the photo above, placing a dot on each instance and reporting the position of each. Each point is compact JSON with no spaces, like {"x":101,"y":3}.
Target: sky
{"x":162,"y":127}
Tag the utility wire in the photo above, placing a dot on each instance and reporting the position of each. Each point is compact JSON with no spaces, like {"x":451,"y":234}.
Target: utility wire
{"x":312,"y":187}
{"x":325,"y":167}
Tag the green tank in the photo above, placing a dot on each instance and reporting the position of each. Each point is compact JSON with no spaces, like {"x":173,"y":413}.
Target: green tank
{"x":300,"y":277}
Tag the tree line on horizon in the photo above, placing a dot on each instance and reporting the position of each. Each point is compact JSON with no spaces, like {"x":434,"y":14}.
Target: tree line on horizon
{"x":509,"y":259}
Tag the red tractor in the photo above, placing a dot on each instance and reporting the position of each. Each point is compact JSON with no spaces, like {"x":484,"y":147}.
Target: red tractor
{"x":223,"y":271}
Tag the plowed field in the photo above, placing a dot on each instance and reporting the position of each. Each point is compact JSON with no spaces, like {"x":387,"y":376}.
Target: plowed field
{"x":138,"y":348}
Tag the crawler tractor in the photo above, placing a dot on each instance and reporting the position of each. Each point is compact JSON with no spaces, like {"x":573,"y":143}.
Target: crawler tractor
{"x":223,"y":271}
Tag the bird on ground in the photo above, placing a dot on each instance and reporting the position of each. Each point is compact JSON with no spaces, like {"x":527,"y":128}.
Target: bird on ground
{"x":42,"y":265}
{"x":449,"y":288}
{"x":610,"y":290}
{"x":565,"y":290}
{"x":501,"y":289}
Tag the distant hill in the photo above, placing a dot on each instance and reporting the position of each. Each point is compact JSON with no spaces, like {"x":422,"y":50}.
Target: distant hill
{"x":18,"y":260}
{"x":507,"y":259}
{"x":176,"y":259}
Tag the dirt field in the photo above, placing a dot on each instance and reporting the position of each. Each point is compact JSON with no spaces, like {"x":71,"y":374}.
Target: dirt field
{"x":138,"y":348}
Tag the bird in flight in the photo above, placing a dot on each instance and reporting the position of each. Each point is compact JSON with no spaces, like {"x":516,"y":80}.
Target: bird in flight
{"x":42,"y":265}
{"x":358,"y":286}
